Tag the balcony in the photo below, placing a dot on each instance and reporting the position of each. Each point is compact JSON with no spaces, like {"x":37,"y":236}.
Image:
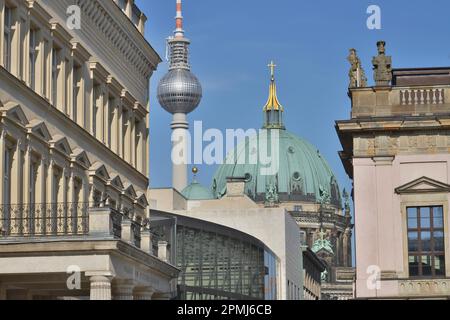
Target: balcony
{"x":42,"y":244}
{"x":19,"y":223}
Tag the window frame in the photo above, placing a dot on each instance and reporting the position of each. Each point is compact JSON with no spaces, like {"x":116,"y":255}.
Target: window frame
{"x":33,"y":52}
{"x":421,"y":199}
{"x":7,"y":37}
{"x":421,"y":230}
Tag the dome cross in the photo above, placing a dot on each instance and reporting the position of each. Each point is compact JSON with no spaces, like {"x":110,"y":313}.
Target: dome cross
{"x":272,"y":67}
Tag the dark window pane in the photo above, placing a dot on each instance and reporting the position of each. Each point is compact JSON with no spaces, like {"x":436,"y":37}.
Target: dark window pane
{"x":426,"y":241}
{"x":413,"y":266}
{"x":438,"y":217}
{"x":439,"y":241}
{"x":425,"y":217}
{"x":426,"y":266}
{"x":413,"y":241}
{"x":439,"y":265}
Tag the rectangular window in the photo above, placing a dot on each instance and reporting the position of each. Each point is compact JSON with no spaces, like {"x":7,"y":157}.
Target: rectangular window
{"x":426,"y":247}
{"x":111,"y":110}
{"x":7,"y":41}
{"x":76,"y":92}
{"x":96,"y":117}
{"x":33,"y":58}
{"x":45,"y":70}
{"x":55,"y":75}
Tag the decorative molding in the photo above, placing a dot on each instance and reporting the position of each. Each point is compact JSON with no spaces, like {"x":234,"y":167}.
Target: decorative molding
{"x":424,"y":288}
{"x":423,"y":185}
{"x":119,"y":38}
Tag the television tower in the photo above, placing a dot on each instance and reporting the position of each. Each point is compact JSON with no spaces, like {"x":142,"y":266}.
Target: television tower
{"x":180,"y":93}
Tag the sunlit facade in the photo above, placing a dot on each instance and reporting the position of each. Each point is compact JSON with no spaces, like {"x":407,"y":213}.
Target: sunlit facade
{"x":74,"y":136}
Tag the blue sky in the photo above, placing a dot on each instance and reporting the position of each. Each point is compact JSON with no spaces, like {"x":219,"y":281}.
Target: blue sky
{"x":233,"y":41}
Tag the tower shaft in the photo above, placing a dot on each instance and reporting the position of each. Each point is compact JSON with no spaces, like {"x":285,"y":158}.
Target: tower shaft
{"x":180,"y":151}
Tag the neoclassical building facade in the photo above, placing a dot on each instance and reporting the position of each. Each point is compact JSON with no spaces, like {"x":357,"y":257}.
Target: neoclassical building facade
{"x":74,"y":102}
{"x":396,"y":151}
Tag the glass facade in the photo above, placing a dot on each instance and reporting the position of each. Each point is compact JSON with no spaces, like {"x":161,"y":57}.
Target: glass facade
{"x":217,"y":263}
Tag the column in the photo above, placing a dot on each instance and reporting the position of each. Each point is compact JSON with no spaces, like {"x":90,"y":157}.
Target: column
{"x":133,"y":139}
{"x":69,"y":87}
{"x":115,"y":127}
{"x":17,"y":175}
{"x":50,"y":197}
{"x":129,"y":8}
{"x":127,"y":136}
{"x":40,"y":197}
{"x":123,"y":290}
{"x":25,"y":45}
{"x":141,"y":26}
{"x":19,"y":55}
{"x":71,"y":206}
{"x":120,"y":140}
{"x":105,"y":115}
{"x":3,"y":213}
{"x":100,"y":287}
{"x":143,"y":293}
{"x":62,"y":83}
{"x":39,"y":72}
{"x":17,"y":190}
{"x":2,"y":165}
{"x":27,"y":177}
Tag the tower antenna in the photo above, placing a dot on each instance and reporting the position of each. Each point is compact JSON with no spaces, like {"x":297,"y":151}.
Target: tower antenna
{"x":179,"y":32}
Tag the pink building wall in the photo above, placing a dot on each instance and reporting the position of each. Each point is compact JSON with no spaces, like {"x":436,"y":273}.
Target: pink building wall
{"x":380,"y":222}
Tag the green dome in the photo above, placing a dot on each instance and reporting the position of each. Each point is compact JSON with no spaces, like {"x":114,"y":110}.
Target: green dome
{"x":302,"y":173}
{"x":196,"y":191}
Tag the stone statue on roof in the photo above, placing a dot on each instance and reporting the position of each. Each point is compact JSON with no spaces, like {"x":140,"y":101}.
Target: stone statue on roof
{"x":324,"y":196}
{"x":346,"y":200}
{"x":356,"y":74}
{"x":323,"y":243}
{"x":382,"y":66}
{"x":272,"y":198}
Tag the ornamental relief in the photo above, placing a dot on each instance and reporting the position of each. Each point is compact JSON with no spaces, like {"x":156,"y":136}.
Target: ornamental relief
{"x":426,"y":143}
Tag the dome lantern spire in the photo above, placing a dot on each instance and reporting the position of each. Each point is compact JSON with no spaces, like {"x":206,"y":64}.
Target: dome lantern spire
{"x":273,"y":109}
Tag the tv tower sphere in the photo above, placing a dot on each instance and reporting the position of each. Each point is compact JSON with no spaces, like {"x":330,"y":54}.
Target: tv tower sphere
{"x":179,"y":91}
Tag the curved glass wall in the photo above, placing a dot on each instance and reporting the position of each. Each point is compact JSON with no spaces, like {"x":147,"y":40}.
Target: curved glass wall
{"x":216,"y":262}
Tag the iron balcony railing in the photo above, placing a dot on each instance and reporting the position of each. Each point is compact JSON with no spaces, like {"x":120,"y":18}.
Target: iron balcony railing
{"x":48,"y":219}
{"x":58,"y":220}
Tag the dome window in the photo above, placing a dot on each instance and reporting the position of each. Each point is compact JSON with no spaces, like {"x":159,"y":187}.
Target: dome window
{"x":296,"y":176}
{"x":291,"y":150}
{"x":248,"y":177}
